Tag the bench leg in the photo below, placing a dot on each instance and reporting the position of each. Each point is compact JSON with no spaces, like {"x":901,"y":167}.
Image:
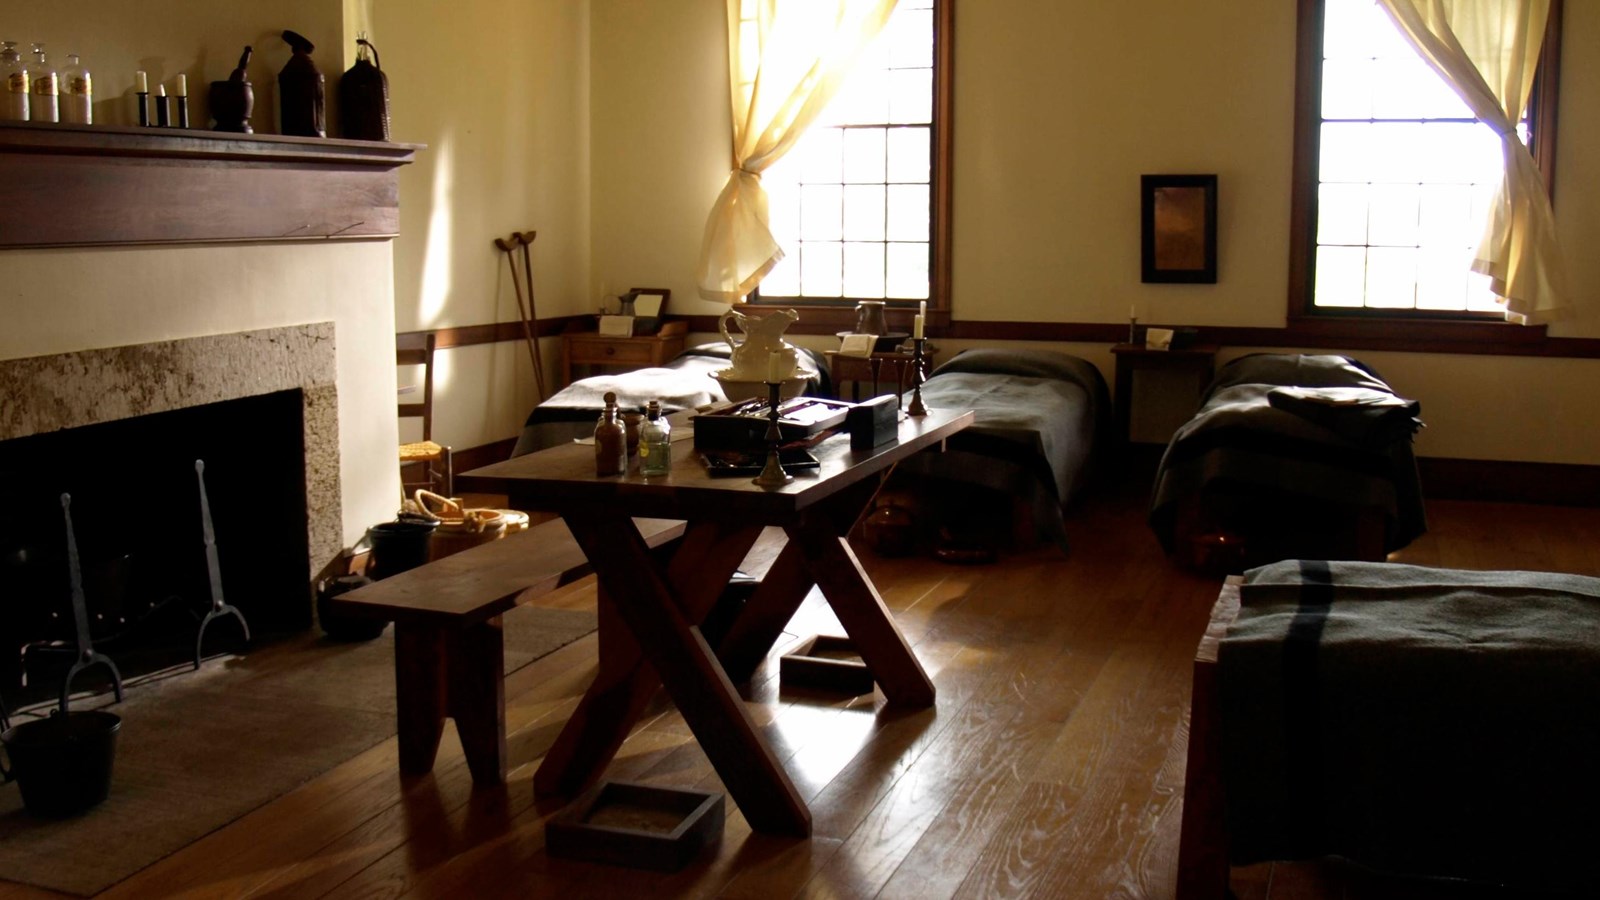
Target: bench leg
{"x":477,"y":698}
{"x":455,"y":673}
{"x":419,"y":688}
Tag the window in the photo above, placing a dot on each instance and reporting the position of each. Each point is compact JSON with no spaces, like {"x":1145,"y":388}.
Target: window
{"x":1393,"y":173}
{"x":860,"y":204}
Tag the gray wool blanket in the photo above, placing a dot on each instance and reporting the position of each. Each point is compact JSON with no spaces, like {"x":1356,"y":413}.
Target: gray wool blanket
{"x":1420,"y":721}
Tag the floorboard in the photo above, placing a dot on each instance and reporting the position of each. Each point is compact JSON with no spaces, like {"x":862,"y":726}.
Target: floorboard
{"x":1052,"y":765}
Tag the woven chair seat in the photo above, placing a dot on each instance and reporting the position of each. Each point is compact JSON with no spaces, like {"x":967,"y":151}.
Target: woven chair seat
{"x":421,"y":451}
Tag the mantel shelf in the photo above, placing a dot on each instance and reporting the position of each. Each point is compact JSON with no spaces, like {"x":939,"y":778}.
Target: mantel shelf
{"x":74,"y":185}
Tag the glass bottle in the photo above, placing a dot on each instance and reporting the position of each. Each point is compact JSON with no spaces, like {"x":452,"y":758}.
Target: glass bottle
{"x":43,"y":105}
{"x":77,"y":93}
{"x":610,"y":443}
{"x":655,"y":442}
{"x":15,"y":73}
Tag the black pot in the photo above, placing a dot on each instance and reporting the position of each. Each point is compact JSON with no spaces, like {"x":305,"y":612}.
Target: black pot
{"x":63,"y":764}
{"x":398,"y":546}
{"x":341,"y":626}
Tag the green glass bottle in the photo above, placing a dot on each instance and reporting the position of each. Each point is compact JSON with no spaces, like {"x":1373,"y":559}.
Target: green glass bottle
{"x":655,"y":442}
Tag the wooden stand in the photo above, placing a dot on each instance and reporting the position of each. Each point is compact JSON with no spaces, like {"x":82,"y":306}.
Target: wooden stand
{"x":637,"y":825}
{"x":826,"y":663}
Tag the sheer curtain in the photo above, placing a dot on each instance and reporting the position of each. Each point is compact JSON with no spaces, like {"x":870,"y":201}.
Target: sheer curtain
{"x":1487,"y":51}
{"x":786,"y":59}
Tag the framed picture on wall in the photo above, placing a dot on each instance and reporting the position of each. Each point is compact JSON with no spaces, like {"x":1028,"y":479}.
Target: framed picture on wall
{"x":1178,"y":228}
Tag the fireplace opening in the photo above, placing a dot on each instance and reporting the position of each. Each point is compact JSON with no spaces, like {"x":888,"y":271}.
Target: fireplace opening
{"x":136,"y":515}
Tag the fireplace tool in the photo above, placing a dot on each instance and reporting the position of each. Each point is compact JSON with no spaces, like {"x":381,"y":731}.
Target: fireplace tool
{"x":80,"y":618}
{"x":213,"y":570}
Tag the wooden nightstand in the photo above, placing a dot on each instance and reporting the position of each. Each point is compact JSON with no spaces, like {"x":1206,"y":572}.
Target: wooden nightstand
{"x":860,"y":369}
{"x":587,"y":348}
{"x":1199,"y":359}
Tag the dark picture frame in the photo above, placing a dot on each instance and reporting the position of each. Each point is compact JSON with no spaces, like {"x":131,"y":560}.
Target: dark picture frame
{"x":1178,"y":229}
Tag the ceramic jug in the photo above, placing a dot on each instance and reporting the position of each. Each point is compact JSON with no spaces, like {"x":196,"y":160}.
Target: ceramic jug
{"x":762,"y":336}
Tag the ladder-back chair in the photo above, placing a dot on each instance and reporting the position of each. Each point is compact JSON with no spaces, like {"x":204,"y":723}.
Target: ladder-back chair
{"x":430,"y":461}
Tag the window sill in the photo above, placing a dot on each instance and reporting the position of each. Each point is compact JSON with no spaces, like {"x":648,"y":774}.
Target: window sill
{"x":1419,"y":335}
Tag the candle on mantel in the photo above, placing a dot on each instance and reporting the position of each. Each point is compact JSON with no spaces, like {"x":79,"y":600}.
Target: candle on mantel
{"x":775,"y":369}
{"x":183,"y":85}
{"x":140,"y":86}
{"x":916,"y":327}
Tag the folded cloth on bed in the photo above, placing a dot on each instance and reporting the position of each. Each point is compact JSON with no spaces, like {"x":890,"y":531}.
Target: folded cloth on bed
{"x":1038,"y":416}
{"x":1045,"y":413}
{"x":1415,"y":720}
{"x":683,"y":383}
{"x":1253,"y":435}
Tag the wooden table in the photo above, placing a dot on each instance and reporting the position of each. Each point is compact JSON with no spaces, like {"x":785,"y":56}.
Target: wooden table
{"x":1199,"y":359}
{"x":650,"y":608}
{"x":856,"y":369}
{"x":589,"y":348}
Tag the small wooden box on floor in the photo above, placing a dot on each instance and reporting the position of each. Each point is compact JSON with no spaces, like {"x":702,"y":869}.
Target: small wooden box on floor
{"x":637,"y":825}
{"x":825,"y":663}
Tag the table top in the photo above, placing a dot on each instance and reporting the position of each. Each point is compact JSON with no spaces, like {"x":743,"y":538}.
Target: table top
{"x":563,"y":477}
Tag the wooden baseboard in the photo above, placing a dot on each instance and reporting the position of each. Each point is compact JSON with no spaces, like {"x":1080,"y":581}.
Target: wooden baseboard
{"x":1552,"y":484}
{"x":482,"y":455}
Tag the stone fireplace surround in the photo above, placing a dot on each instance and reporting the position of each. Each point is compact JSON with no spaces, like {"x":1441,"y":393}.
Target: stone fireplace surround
{"x":69,"y":390}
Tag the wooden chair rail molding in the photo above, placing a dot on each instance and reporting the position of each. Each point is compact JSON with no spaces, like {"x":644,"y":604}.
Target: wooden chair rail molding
{"x":72,"y":185}
{"x":1320,"y":333}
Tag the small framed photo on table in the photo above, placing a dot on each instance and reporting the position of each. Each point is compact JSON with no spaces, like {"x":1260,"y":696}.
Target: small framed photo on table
{"x":1178,"y":228}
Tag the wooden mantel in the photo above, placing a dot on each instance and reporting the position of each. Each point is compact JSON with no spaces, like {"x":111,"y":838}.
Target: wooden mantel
{"x":73,"y":185}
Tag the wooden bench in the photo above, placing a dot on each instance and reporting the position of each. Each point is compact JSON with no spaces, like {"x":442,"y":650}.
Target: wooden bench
{"x":449,"y":656}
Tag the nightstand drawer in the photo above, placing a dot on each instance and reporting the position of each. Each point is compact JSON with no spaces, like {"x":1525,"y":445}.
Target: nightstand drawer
{"x":608,"y":350}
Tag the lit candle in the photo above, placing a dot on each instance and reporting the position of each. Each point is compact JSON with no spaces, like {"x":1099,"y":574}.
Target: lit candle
{"x":139,"y":84}
{"x":775,"y":368}
{"x":183,"y":85}
{"x":916,"y":327}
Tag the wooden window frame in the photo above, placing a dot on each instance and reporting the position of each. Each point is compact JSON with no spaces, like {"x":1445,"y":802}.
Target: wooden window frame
{"x":1419,"y":327}
{"x":828,"y":317}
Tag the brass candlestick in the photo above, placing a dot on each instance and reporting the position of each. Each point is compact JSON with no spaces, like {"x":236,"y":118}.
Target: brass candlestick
{"x":916,"y":408}
{"x":772,"y":474}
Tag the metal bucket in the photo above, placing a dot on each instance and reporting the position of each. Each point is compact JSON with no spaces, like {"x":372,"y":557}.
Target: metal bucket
{"x":62,"y":764}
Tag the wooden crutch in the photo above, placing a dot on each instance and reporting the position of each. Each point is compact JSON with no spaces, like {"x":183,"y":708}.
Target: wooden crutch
{"x":525,"y":238}
{"x":509,"y":248}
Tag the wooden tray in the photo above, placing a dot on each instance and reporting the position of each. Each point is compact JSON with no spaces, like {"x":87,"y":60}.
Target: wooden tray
{"x":641,"y":826}
{"x":825,"y":663}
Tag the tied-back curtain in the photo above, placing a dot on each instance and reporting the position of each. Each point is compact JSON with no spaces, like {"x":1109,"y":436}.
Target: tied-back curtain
{"x":786,"y":60}
{"x":1487,"y":50}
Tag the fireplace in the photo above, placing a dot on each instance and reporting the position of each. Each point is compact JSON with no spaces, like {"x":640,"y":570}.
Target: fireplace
{"x":120,"y":430}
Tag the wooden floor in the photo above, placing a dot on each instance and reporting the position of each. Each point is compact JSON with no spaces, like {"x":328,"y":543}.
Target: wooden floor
{"x":1053,"y":765}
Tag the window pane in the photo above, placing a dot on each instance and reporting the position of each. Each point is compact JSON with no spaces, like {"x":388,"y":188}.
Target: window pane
{"x":1393,"y":215}
{"x":908,"y":271}
{"x":909,"y":36}
{"x":1345,"y":151}
{"x":1391,"y":277}
{"x":863,"y":270}
{"x":909,"y":150}
{"x":821,"y":212}
{"x":783,"y":210}
{"x":1442,"y":279}
{"x":1348,"y":28}
{"x":911,"y":96}
{"x":1409,"y":89}
{"x":1341,"y":276}
{"x":1347,"y":89}
{"x":908,"y":212}
{"x":821,"y":156}
{"x":1446,"y":221}
{"x":820,"y":267}
{"x":784,"y":279}
{"x":864,"y":99}
{"x":864,"y":155}
{"x":863,"y":212}
{"x":1342,"y":214}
